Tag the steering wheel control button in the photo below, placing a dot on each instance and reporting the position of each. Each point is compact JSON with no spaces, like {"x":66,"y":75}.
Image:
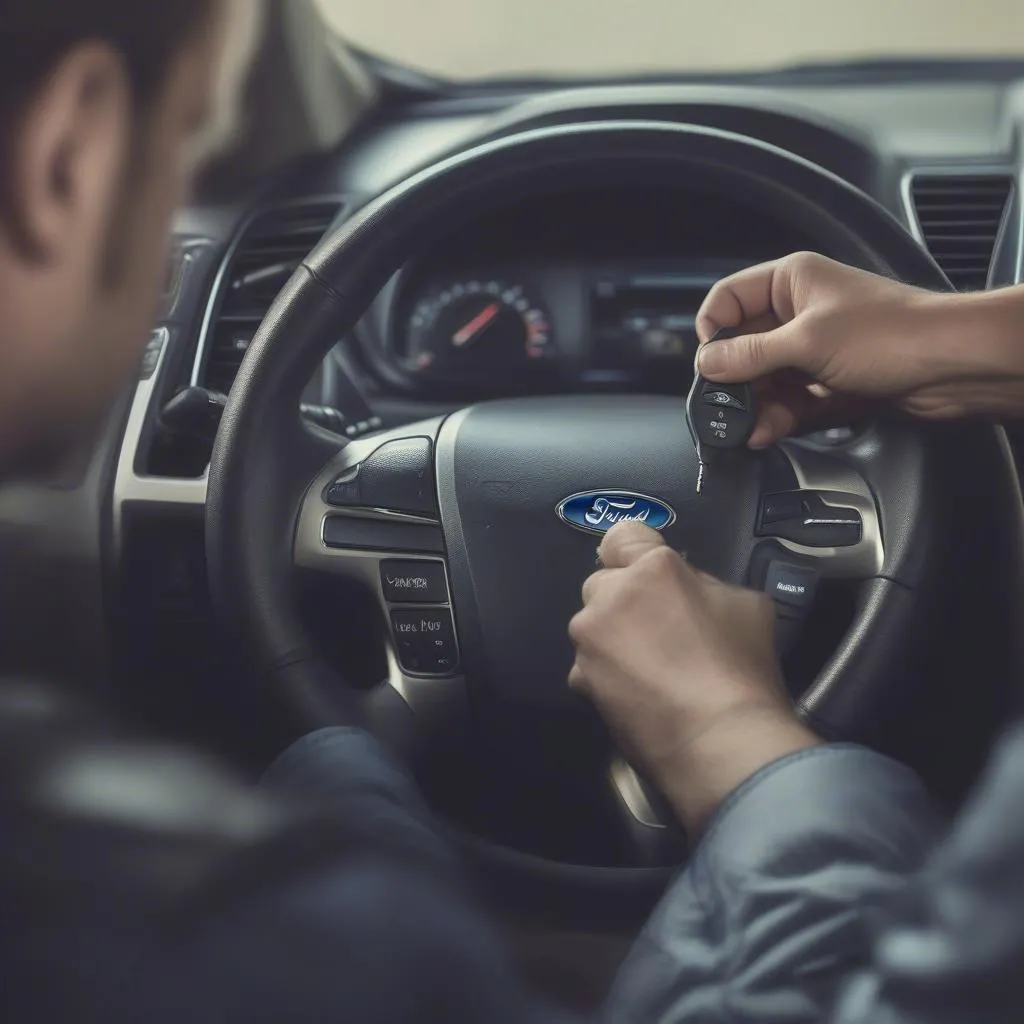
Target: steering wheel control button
{"x":779,"y":508}
{"x":414,"y":582}
{"x":397,"y":477}
{"x":793,"y":585}
{"x":804,"y":517}
{"x":356,"y":534}
{"x":345,"y":490}
{"x":400,"y":476}
{"x":425,"y":641}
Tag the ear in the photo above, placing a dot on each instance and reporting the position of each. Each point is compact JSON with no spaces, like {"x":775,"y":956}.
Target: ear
{"x":69,"y":152}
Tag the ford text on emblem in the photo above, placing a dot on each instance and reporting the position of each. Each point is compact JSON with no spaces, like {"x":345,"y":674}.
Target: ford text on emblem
{"x":599,"y":511}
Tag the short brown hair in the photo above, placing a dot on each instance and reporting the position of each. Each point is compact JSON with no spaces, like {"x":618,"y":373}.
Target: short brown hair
{"x":36,"y":34}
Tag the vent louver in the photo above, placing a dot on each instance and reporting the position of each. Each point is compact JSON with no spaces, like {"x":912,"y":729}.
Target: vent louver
{"x":960,"y":216}
{"x":271,"y":247}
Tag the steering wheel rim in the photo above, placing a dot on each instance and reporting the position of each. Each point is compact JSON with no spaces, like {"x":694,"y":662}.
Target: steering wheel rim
{"x":252,"y":514}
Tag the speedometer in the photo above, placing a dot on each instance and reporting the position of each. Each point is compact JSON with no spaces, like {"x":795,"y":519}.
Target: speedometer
{"x":476,"y":327}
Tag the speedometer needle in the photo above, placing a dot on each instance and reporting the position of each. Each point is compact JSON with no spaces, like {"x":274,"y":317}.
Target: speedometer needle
{"x":476,"y":325}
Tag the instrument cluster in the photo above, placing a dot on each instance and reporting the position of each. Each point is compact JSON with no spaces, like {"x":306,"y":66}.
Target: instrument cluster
{"x":589,"y":291}
{"x":540,"y":327}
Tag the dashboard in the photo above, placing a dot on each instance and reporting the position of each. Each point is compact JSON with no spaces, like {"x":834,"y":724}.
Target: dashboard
{"x":594,"y":291}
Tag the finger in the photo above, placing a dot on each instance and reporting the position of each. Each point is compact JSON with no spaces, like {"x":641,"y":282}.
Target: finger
{"x":737,"y":299}
{"x":781,"y":401}
{"x":799,"y":410}
{"x":577,"y":679}
{"x":694,"y":575}
{"x":627,"y":542}
{"x":748,"y":357}
{"x":837,"y":410}
{"x":775,"y":420}
{"x":757,"y":325}
{"x":593,"y":582}
{"x":577,"y":629}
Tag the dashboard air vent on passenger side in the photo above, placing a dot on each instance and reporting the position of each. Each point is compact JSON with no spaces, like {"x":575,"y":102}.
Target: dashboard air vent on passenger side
{"x":960,"y":216}
{"x":271,"y":247}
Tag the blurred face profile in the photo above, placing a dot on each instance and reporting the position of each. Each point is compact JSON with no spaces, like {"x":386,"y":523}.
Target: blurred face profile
{"x":94,"y":183}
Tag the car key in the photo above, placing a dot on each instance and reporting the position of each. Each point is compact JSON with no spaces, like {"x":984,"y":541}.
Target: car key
{"x":719,"y":416}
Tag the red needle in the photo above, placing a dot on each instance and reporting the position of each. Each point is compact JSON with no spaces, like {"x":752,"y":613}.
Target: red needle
{"x":476,"y":325}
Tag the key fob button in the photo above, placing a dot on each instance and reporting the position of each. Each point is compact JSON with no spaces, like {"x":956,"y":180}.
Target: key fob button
{"x":725,"y":427}
{"x":721,"y":416}
{"x":715,"y":397}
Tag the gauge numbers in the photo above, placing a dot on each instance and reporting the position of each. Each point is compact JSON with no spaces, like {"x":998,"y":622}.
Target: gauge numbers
{"x":477,"y":327}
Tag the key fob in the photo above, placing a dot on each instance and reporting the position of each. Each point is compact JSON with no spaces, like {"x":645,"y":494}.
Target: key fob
{"x":721,"y":415}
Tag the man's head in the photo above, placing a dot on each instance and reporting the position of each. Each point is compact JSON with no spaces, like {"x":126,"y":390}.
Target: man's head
{"x":106,"y":109}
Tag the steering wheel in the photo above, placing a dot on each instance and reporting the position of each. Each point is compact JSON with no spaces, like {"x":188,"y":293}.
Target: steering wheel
{"x":475,"y":531}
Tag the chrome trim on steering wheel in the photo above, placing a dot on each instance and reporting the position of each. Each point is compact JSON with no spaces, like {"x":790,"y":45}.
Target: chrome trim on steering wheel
{"x":311,"y":552}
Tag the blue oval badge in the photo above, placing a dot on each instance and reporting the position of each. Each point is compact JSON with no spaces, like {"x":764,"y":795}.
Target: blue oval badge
{"x":599,"y":511}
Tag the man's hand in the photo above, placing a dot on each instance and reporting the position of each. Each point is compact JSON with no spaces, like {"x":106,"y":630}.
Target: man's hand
{"x":683,"y":669}
{"x":826,"y":341}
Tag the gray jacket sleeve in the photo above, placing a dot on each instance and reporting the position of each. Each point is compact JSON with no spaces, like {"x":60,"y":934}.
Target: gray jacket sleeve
{"x":774,"y":913}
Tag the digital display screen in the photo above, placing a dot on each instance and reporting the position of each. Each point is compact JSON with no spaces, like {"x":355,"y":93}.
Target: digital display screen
{"x":638,"y":321}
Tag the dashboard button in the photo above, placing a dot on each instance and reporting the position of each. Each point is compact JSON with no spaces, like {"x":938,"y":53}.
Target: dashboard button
{"x":413,"y":582}
{"x":425,"y":640}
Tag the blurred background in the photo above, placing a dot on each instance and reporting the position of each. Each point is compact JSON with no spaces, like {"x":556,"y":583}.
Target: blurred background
{"x":471,"y":38}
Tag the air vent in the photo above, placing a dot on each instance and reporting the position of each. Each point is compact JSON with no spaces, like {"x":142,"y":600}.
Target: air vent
{"x":271,"y":247}
{"x":960,"y":216}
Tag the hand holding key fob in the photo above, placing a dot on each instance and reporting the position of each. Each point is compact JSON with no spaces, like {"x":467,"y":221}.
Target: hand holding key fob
{"x":719,"y":416}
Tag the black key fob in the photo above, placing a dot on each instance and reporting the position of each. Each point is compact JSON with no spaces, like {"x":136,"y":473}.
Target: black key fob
{"x":721,"y":415}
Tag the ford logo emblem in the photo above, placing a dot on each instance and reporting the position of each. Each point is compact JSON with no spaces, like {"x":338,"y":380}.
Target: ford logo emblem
{"x":599,"y":511}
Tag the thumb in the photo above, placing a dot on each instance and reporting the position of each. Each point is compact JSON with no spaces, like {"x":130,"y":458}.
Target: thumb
{"x":750,"y":356}
{"x":627,"y":542}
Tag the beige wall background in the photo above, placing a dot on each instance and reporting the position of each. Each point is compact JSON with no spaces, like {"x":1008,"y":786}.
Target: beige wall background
{"x":488,"y":37}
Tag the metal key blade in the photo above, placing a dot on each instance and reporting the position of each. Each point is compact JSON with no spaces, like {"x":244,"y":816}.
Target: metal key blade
{"x":698,"y":446}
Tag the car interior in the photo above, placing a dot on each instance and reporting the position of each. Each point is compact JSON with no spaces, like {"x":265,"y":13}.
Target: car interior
{"x":406,"y":320}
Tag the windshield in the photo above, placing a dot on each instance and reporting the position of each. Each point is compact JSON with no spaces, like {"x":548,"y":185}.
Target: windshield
{"x":589,"y":38}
